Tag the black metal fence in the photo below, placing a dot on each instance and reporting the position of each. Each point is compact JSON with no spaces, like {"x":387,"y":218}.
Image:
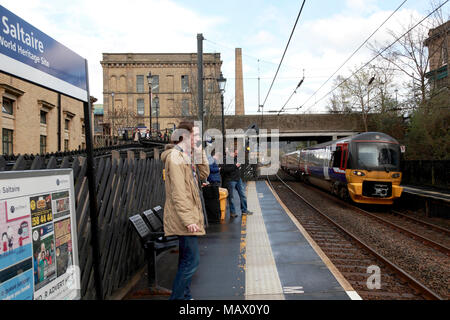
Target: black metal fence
{"x":126,"y":183}
{"x":426,"y":173}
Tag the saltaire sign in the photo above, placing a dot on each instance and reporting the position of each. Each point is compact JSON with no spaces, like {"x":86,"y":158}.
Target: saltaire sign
{"x":28,"y":53}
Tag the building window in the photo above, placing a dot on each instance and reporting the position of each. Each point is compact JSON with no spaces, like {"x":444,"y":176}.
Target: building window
{"x":185,"y":107}
{"x":155,"y":107}
{"x":210,"y":86}
{"x":140,"y":107}
{"x":7,"y":106}
{"x":7,"y":141}
{"x":83,"y":145}
{"x":140,"y":83}
{"x":155,"y":83}
{"x":66,"y":145}
{"x":83,"y":130}
{"x":444,"y":56}
{"x":43,"y":144}
{"x":43,"y":117}
{"x":185,"y":83}
{"x":66,"y":124}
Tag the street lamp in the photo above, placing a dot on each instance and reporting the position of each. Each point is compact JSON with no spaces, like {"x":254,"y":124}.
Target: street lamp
{"x":222,"y":82}
{"x":157,"y":113}
{"x":112,"y":118}
{"x":150,"y":83}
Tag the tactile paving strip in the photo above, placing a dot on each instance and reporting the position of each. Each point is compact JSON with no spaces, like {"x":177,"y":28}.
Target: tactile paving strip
{"x":261,"y":275}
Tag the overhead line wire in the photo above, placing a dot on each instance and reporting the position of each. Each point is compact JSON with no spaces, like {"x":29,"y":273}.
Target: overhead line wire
{"x":354,"y":52}
{"x":382,"y":51}
{"x":284,"y":53}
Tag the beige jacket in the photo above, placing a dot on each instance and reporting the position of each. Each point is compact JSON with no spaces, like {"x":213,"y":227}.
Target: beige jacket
{"x":183,"y":205}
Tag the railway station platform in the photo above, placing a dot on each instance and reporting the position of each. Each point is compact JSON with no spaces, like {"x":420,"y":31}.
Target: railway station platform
{"x":427,"y":192}
{"x":434,"y":202}
{"x":264,"y":256}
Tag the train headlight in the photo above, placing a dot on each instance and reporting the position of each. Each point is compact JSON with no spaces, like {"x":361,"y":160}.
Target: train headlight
{"x":359,"y":173}
{"x":396,"y":175}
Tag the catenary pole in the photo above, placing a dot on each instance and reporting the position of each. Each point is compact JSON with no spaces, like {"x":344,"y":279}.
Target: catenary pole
{"x":200,"y":78}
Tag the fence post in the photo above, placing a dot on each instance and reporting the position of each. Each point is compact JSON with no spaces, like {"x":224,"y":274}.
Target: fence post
{"x":130,"y":155}
{"x":142,"y":155}
{"x":115,"y":155}
{"x":156,"y":153}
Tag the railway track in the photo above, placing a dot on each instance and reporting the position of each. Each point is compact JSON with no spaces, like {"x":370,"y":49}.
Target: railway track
{"x":351,"y":255}
{"x":429,"y":234}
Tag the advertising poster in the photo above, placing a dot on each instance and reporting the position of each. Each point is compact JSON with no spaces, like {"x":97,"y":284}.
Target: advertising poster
{"x":61,"y":204}
{"x":15,"y":259}
{"x":63,"y":241}
{"x":41,"y":209}
{"x":38,"y":248}
{"x":44,"y":255}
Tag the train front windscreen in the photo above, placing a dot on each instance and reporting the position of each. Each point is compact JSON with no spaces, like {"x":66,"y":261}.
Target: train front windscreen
{"x":378,"y":156}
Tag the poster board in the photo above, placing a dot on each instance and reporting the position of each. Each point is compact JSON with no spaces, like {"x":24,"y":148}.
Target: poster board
{"x":38,"y":248}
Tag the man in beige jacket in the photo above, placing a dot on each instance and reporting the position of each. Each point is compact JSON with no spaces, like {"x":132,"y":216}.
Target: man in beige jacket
{"x":183,"y":211}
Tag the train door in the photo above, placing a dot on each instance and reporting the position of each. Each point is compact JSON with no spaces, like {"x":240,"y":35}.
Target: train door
{"x":326,"y":161}
{"x":344,"y":155}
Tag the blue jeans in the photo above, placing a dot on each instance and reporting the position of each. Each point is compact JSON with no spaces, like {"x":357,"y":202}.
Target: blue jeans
{"x":188,"y":261}
{"x":239,"y":186}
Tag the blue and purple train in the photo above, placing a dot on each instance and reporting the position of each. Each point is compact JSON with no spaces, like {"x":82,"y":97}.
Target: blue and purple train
{"x":364,"y":167}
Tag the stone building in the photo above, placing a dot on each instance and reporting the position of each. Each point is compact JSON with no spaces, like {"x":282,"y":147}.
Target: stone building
{"x":438,"y":43}
{"x":37,"y":120}
{"x":174,"y":90}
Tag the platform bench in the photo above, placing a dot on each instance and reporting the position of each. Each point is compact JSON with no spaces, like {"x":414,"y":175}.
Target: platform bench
{"x":150,"y":230}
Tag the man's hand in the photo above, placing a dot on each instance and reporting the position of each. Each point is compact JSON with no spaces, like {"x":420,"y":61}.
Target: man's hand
{"x":238,"y":165}
{"x":193,"y":228}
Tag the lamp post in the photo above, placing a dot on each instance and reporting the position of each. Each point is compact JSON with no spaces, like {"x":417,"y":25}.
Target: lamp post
{"x":222,"y":82}
{"x":112,"y":118}
{"x":157,"y":113}
{"x":150,"y":82}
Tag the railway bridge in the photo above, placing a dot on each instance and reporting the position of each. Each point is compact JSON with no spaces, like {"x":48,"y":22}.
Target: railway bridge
{"x":302,"y":127}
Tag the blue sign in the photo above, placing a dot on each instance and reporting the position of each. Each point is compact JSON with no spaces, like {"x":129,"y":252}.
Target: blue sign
{"x":28,"y":53}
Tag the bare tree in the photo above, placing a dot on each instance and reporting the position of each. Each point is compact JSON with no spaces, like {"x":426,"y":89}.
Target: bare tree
{"x":122,"y":118}
{"x":367,"y":91}
{"x":409,"y":55}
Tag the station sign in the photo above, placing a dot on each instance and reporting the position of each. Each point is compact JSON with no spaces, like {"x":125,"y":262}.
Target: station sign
{"x":30,"y":54}
{"x":39,"y":252}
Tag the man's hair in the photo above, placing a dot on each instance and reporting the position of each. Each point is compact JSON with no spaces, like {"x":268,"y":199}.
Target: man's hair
{"x":186,"y":125}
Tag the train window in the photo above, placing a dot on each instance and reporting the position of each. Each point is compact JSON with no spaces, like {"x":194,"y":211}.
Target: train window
{"x":337,"y":157}
{"x":375,"y":155}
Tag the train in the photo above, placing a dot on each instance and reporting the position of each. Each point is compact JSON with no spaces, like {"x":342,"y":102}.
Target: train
{"x":363,"y":168}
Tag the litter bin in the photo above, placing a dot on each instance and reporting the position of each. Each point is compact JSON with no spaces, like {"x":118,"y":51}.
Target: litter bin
{"x":223,"y":194}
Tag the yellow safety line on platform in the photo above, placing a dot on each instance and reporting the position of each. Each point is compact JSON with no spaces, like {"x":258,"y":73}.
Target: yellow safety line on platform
{"x":261,"y":275}
{"x":336,"y":273}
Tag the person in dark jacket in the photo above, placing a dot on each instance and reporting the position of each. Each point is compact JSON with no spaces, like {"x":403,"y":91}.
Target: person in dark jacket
{"x":211,"y":191}
{"x":231,"y":175}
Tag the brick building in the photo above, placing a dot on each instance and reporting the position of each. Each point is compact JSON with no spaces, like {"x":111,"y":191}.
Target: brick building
{"x":36,"y":120}
{"x":438,"y":43}
{"x":174,"y":89}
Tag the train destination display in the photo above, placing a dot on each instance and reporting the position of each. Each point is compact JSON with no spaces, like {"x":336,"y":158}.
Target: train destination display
{"x":38,"y":254}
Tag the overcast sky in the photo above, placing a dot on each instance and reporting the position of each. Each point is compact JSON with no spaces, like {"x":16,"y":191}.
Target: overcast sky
{"x":327,"y":33}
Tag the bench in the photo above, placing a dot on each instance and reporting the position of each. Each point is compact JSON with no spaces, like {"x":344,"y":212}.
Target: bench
{"x":159,"y":213}
{"x":151,"y":234}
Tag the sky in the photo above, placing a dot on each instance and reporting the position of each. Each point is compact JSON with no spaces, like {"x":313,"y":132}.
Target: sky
{"x":327,"y":32}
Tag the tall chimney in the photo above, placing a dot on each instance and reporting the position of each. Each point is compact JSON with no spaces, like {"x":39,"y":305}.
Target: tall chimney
{"x":239,"y":85}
